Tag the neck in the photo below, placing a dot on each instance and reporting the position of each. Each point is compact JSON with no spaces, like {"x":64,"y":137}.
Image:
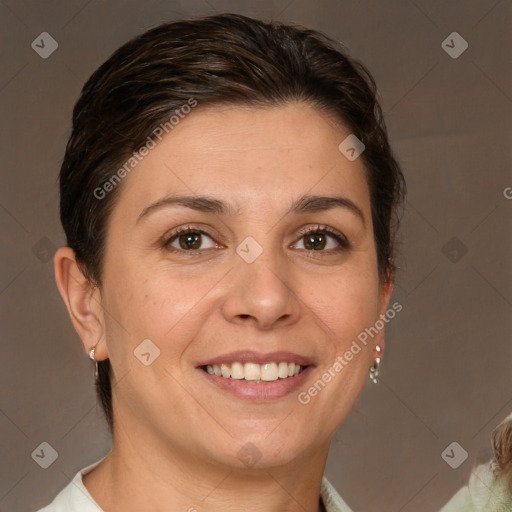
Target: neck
{"x":154,"y":479}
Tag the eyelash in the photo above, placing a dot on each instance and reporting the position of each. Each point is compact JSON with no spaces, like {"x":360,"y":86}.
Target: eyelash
{"x":321,"y":229}
{"x":334,"y":233}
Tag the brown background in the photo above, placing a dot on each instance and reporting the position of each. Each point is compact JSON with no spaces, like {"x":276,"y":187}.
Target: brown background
{"x":447,"y":373}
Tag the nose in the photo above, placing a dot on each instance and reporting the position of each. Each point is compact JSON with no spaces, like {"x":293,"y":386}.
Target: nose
{"x":260,"y":293}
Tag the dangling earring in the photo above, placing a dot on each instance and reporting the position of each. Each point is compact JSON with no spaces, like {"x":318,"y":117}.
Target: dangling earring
{"x":91,"y":355}
{"x":374,"y":370}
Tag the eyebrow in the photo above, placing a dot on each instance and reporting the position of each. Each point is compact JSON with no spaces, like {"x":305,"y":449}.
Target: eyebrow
{"x":205,"y":204}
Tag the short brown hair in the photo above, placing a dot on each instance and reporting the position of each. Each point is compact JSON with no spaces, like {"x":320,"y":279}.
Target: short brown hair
{"x":222,"y":59}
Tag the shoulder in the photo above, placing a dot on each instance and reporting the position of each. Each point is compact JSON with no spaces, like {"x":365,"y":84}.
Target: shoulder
{"x":332,"y":501}
{"x":484,"y":493}
{"x":74,"y":497}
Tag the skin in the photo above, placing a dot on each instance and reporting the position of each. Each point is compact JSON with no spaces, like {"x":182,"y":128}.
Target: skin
{"x":176,"y":435}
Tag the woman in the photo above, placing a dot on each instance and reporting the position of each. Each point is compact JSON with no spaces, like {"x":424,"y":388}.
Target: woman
{"x":490,"y":485}
{"x":229,"y":199}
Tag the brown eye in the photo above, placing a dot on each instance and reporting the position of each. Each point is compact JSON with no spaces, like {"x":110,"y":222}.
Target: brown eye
{"x":322,"y":240}
{"x":190,"y":240}
{"x":315,"y":241}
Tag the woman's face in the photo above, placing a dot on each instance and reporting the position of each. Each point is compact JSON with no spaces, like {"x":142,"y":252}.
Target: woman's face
{"x":246,"y":285}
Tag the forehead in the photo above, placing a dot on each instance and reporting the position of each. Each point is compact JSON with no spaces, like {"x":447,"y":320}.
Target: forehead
{"x":251,"y":157}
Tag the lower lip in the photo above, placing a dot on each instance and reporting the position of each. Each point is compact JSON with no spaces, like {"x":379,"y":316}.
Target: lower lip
{"x":262,"y":392}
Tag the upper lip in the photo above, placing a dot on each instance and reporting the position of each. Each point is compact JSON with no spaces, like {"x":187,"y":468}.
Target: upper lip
{"x":250,"y":356}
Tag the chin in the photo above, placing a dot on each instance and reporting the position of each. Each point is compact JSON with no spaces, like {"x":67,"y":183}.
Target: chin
{"x":266,"y":451}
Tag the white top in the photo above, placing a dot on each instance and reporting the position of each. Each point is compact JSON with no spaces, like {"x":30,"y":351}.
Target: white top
{"x":483,"y":493}
{"x":76,"y":498}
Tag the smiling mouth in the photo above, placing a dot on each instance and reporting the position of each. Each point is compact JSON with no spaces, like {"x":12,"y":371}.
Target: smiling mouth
{"x":255,"y":373}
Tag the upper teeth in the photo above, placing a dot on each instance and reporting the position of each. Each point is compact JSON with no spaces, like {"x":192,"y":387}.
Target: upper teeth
{"x":253,"y":371}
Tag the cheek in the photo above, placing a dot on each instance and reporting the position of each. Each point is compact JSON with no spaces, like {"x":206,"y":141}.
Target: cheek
{"x":346,"y":303}
{"x":157,"y":303}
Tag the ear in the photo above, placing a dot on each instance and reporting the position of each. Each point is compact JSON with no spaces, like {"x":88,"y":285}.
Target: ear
{"x":83,"y":301}
{"x":386,"y":289}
